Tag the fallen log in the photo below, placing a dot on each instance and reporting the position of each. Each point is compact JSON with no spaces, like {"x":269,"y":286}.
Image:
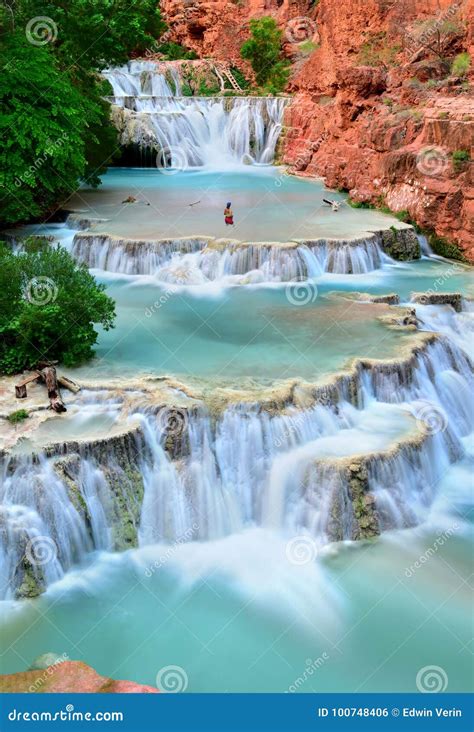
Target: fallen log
{"x":55,"y":401}
{"x":47,"y":373}
{"x":20,"y":388}
{"x":69,"y":384}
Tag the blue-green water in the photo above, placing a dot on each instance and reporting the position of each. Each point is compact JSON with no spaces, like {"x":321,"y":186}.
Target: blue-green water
{"x":235,"y":614}
{"x":268,"y":205}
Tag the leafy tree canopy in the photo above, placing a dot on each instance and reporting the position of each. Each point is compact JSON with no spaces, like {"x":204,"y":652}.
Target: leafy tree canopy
{"x":263,"y":50}
{"x":48,"y":307}
{"x":55,"y":126}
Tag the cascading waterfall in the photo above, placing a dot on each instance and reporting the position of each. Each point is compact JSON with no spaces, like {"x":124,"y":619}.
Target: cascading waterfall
{"x":191,"y":132}
{"x":200,"y":260}
{"x":298,"y":471}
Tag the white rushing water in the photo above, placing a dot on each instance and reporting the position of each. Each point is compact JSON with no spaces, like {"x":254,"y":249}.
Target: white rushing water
{"x":204,"y":479}
{"x":199,"y":261}
{"x":190,"y":132}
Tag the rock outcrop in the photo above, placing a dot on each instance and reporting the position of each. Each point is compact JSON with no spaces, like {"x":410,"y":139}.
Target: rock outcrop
{"x":390,"y":132}
{"x":68,"y":677}
{"x":372,"y":113}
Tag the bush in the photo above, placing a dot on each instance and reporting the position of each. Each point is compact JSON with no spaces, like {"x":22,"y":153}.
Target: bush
{"x":263,"y":50}
{"x":175,"y":52}
{"x":460,"y":157}
{"x":461,"y":64}
{"x":48,"y":308}
{"x":19,"y":416}
{"x":444,"y":248}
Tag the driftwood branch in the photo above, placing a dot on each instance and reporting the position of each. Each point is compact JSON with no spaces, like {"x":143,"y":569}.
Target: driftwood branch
{"x":47,"y":373}
{"x":55,"y":400}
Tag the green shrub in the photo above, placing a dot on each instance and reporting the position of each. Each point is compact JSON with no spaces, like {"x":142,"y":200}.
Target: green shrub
{"x":207,"y":89}
{"x":444,"y":248}
{"x":460,"y":157}
{"x":461,"y":64}
{"x":19,"y":416}
{"x":240,"y":78}
{"x":175,"y":52}
{"x":359,"y":204}
{"x":48,"y":308}
{"x":376,"y":52}
{"x":263,"y":50}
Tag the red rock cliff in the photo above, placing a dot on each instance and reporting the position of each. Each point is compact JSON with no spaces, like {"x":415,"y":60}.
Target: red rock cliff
{"x":371,"y":113}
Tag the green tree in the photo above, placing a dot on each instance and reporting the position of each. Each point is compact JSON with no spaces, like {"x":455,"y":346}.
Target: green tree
{"x":42,"y":129}
{"x":48,"y":307}
{"x":93,"y":34}
{"x":55,"y":126}
{"x":263,"y":50}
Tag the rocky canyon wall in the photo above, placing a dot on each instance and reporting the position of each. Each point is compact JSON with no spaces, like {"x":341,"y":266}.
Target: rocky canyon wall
{"x":371,"y":113}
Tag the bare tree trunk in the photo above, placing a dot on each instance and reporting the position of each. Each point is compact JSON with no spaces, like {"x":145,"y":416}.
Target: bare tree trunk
{"x":54,"y":395}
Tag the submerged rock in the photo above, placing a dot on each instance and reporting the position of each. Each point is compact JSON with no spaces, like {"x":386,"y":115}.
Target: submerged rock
{"x":438,"y":298}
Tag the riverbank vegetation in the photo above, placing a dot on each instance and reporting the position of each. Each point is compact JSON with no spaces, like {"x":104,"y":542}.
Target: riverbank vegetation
{"x":264,"y":52}
{"x":54,"y":124}
{"x":49,"y":305}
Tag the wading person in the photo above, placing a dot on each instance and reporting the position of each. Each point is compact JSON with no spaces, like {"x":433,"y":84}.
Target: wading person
{"x":228,"y":215}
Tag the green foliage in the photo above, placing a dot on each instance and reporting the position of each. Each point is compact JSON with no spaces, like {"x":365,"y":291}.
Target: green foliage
{"x":54,"y":124}
{"x":19,"y":416}
{"x":48,"y":308}
{"x":444,"y":248}
{"x":207,"y":89}
{"x":359,"y":204}
{"x":376,"y":52}
{"x":240,"y":78}
{"x":461,"y":64}
{"x":186,"y":90}
{"x":263,"y":50}
{"x":175,"y":52}
{"x":460,"y":157}
{"x":93,"y":34}
{"x":43,"y":126}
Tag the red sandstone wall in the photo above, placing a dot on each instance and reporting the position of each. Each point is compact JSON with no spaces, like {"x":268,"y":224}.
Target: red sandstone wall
{"x":339,"y":126}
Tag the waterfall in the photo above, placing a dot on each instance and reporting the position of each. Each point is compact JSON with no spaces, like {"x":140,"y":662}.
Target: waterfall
{"x":189,"y":132}
{"x":200,"y":260}
{"x":334,"y":471}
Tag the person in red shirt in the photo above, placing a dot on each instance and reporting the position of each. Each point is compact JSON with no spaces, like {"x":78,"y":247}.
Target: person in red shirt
{"x":228,"y":215}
